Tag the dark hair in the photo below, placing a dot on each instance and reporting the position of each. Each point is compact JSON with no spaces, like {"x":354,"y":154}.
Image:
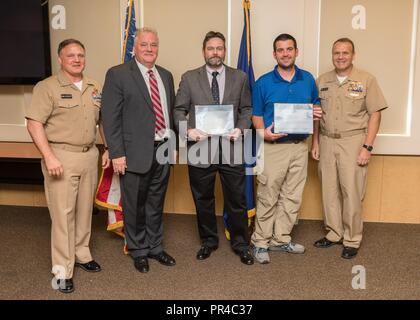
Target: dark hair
{"x":345,"y":40}
{"x":213,"y":34}
{"x":284,"y":37}
{"x":66,"y":42}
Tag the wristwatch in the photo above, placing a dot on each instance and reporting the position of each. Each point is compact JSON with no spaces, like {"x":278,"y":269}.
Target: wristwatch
{"x":368,"y":148}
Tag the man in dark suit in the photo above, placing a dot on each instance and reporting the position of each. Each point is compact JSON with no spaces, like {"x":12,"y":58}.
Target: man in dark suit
{"x":138,"y":99}
{"x":212,"y":84}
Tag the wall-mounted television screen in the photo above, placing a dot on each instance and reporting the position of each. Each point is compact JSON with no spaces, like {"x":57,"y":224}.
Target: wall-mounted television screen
{"x":24,"y":32}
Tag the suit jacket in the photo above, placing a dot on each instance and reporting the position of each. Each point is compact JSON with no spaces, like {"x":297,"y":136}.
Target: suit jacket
{"x":128,"y":116}
{"x":194,"y":89}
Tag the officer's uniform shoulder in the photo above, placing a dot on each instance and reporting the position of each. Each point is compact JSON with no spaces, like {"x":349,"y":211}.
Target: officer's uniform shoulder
{"x":91,"y":81}
{"x":362,"y":75}
{"x":327,"y":76}
{"x":48,"y":82}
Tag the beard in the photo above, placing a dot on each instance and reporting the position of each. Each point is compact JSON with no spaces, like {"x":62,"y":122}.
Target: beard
{"x":214,"y":61}
{"x":287,"y":66}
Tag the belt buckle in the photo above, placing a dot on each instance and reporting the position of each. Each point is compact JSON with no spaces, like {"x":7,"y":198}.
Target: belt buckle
{"x":336,"y":135}
{"x":85,"y":149}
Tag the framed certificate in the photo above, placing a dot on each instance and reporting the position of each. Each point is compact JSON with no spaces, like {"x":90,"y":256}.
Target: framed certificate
{"x":214,"y":119}
{"x":293,"y":118}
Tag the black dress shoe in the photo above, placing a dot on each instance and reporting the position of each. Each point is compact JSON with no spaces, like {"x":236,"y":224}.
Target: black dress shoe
{"x":349,"y":252}
{"x":141,"y":264}
{"x":246,"y":257}
{"x":205,"y":252}
{"x":65,"y":285}
{"x":91,"y":266}
{"x":163,"y":258}
{"x":325,"y":243}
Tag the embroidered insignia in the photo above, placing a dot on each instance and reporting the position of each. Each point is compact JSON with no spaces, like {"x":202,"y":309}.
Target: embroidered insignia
{"x":324,"y":89}
{"x":96,"y":95}
{"x":355,"y":86}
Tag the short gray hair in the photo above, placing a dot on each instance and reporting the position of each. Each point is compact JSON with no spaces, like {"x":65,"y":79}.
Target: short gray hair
{"x":145,"y":30}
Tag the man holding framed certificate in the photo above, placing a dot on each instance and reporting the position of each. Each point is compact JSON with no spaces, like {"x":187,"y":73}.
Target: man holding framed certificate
{"x":213,"y":105}
{"x":285,"y":103}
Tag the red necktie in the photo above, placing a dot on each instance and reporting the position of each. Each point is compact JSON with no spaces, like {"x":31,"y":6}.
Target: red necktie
{"x":154,"y":89}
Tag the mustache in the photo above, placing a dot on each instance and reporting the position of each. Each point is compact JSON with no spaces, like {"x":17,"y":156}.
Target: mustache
{"x":215,"y":58}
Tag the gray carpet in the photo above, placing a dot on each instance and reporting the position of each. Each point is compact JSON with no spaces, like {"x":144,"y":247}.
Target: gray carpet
{"x":390,"y":254}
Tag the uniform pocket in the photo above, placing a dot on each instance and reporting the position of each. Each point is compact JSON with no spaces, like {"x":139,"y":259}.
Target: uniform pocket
{"x":355,"y":102}
{"x":324,"y":97}
{"x":262,"y":179}
{"x":67,"y":109}
{"x":96,"y":109}
{"x":263,"y":194}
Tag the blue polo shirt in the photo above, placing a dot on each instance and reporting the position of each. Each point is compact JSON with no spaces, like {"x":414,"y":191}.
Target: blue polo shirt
{"x":272,"y":88}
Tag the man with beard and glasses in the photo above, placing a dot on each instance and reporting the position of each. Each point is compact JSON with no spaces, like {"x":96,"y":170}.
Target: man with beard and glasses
{"x":212,"y":84}
{"x":280,"y":185}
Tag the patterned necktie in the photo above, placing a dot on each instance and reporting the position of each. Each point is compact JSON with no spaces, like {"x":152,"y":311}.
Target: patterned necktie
{"x":215,"y":88}
{"x":154,"y":90}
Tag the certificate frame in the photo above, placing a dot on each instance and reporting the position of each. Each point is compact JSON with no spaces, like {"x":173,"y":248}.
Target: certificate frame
{"x":293,"y":118}
{"x":215,"y":119}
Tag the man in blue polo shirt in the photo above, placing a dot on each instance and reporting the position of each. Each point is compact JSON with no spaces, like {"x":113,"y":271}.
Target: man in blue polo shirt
{"x":280,"y":185}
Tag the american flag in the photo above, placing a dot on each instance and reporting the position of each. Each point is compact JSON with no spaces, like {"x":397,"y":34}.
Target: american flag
{"x":108,"y":194}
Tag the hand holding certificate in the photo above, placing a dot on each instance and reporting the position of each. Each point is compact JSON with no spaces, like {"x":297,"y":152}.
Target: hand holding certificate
{"x":214,"y":119}
{"x":294,"y":118}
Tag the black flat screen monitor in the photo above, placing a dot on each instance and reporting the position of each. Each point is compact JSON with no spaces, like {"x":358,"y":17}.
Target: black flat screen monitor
{"x":25,"y":56}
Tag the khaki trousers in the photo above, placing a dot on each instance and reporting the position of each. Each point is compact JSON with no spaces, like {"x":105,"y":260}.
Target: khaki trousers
{"x":70,"y":203}
{"x":343,"y":188}
{"x":279,"y":193}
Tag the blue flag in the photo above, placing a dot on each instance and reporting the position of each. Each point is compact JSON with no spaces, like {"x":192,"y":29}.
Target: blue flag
{"x":245,"y":64}
{"x":129,"y":32}
{"x":245,"y":55}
